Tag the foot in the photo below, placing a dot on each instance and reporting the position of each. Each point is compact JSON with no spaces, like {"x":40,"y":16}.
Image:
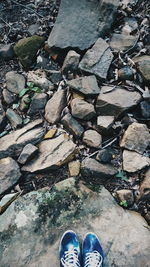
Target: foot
{"x":92,"y":251}
{"x":69,"y":250}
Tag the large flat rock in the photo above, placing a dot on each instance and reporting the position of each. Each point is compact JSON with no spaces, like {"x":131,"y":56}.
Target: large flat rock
{"x":32,"y":226}
{"x":80,"y":23}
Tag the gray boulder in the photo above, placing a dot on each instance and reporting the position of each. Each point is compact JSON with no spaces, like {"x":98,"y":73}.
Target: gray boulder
{"x":38,"y":103}
{"x":82,"y":110}
{"x":14,"y":118}
{"x":12,"y":144}
{"x":15,"y":82}
{"x":9,"y":173}
{"x":72,"y":125}
{"x":80,"y":23}
{"x":33,"y":225}
{"x":71,"y":62}
{"x":97,"y":60}
{"x":27,"y":153}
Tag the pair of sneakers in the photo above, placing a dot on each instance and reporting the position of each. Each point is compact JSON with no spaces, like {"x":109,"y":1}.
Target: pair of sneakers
{"x":70,"y":254}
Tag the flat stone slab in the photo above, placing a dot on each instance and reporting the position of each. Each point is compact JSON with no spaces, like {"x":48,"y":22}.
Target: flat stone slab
{"x":80,"y":23}
{"x":31,"y":228}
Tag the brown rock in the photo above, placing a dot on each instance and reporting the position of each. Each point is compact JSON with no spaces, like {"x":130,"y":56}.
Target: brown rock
{"x":92,"y":138}
{"x":133,"y":161}
{"x":82,"y":109}
{"x":125,"y":195}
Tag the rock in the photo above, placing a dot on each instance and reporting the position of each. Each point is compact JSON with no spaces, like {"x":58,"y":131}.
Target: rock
{"x":74,"y":168}
{"x":38,"y":103}
{"x":38,"y":77}
{"x":92,"y":138}
{"x":86,"y":85}
{"x":71,"y":62}
{"x":122,"y":42}
{"x":2,"y":116}
{"x":12,"y":144}
{"x":104,"y":156}
{"x":9,"y":97}
{"x":15,"y":82}
{"x":55,"y":106}
{"x":82,"y":110}
{"x":14,"y":118}
{"x":145,"y":187}
{"x":33,"y":28}
{"x":72,"y":125}
{"x":97,"y":60}
{"x":136,"y":137}
{"x":143,"y":65}
{"x":114,"y":102}
{"x":126,"y":73}
{"x":53,"y":153}
{"x":24,"y":102}
{"x":50,"y":134}
{"x":145,"y":109}
{"x":6,"y":52}
{"x":105,"y":122}
{"x":26,"y":49}
{"x":28,"y":152}
{"x":55,"y":76}
{"x":133,"y":161}
{"x":9,"y":173}
{"x":80,"y":23}
{"x":95,"y":172}
{"x":125,"y":196}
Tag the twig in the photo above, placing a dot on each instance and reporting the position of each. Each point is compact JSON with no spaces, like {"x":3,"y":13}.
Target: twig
{"x":15,"y":2}
{"x":109,"y":144}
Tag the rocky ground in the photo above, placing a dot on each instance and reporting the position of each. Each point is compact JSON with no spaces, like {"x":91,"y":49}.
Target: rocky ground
{"x":75,"y":102}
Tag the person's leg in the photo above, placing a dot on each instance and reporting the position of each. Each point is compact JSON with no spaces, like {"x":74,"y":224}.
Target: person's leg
{"x":69,"y":250}
{"x":92,"y":252}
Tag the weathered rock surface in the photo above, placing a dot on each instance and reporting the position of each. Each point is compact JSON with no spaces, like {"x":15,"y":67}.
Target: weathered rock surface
{"x":2,"y":115}
{"x":72,"y":125}
{"x":136,"y":137}
{"x":114,"y":102}
{"x":39,"y":78}
{"x":133,"y":161}
{"x":9,"y":97}
{"x":55,"y":106}
{"x":143,"y":65}
{"x":105,"y":122}
{"x":26,"y":49}
{"x":80,"y":23}
{"x":82,"y":110}
{"x":6,"y":52}
{"x":13,"y":117}
{"x":92,"y":138}
{"x":53,"y":153}
{"x":86,"y":85}
{"x":9,"y":173}
{"x":94,"y":171}
{"x":74,"y":168}
{"x":122,"y":42}
{"x":145,"y":187}
{"x":125,"y":195}
{"x":15,"y":82}
{"x":12,"y":144}
{"x":145,"y":109}
{"x":71,"y":62}
{"x":27,"y":153}
{"x":97,"y":60}
{"x":31,"y":228}
{"x":104,"y":156}
{"x":38,"y":103}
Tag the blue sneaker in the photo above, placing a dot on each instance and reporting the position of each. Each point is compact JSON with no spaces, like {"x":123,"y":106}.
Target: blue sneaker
{"x":70,"y":255}
{"x":92,"y":251}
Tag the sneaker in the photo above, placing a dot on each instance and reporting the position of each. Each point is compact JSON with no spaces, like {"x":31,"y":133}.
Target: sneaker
{"x":92,"y":251}
{"x":70,"y":255}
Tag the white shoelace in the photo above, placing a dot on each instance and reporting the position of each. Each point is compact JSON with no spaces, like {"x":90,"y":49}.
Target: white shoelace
{"x":70,"y":259}
{"x":93,"y":259}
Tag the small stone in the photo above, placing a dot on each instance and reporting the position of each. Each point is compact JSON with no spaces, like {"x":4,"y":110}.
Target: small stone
{"x":50,"y":134}
{"x":55,"y":76}
{"x":38,"y":103}
{"x":133,"y":161}
{"x":122,"y":42}
{"x":13,"y":117}
{"x":72,"y":125}
{"x":113,"y":102}
{"x":15,"y":82}
{"x":94,"y":171}
{"x":9,"y":98}
{"x":97,"y":60}
{"x":55,"y":106}
{"x":136,"y":137}
{"x":86,"y":85}
{"x":24,"y":102}
{"x":38,"y":77}
{"x":145,"y":187}
{"x":104,"y":156}
{"x":145,"y":109}
{"x":6,"y":52}
{"x":26,"y":49}
{"x":126,"y":73}
{"x":33,"y":29}
{"x":28,"y":152}
{"x":71,"y":62}
{"x":125,"y":195}
{"x":105,"y":122}
{"x":92,"y":138}
{"x":82,"y":109}
{"x":143,"y":65}
{"x":9,"y":173}
{"x":74,"y":168}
